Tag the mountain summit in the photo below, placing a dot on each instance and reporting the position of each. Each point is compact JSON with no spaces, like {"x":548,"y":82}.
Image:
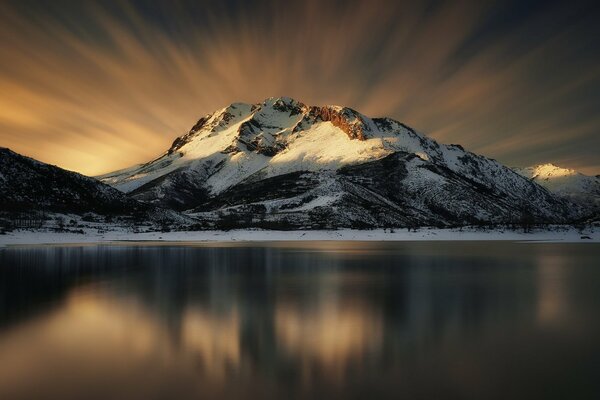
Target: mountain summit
{"x":283,"y":162}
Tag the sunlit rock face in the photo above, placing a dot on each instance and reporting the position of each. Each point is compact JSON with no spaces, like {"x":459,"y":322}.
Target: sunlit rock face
{"x":351,"y":122}
{"x":281,"y":163}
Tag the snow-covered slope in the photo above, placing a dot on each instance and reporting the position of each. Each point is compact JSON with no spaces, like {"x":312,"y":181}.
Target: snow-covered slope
{"x":308,"y":163}
{"x":568,"y":183}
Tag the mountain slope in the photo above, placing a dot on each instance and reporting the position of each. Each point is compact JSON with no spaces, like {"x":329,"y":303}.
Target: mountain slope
{"x":28,"y":185}
{"x":564,"y":182}
{"x":307,"y":165}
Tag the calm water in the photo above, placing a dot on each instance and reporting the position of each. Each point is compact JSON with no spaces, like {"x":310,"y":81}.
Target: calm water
{"x":312,"y":320}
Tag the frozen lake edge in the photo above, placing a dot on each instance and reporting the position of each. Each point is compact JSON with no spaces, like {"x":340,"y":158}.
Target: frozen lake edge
{"x":558,"y":234}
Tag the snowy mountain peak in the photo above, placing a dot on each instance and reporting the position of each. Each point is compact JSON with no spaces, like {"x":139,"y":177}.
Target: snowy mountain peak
{"x":546,"y":171}
{"x":277,"y":135}
{"x":267,"y":127}
{"x":282,"y":102}
{"x":565,"y":182}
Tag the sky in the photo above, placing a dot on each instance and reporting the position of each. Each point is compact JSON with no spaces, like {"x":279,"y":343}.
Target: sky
{"x":95,"y":86}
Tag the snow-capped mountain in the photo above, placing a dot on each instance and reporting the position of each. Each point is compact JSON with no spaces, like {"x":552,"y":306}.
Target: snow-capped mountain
{"x":309,"y":166}
{"x":564,"y":182}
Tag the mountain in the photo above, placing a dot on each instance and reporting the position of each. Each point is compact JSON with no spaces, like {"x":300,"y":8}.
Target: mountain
{"x":281,"y":163}
{"x":29,"y":186}
{"x":567,"y":183}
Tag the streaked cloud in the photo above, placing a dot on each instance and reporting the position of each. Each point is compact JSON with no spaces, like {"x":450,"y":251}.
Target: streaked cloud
{"x":97,"y":86}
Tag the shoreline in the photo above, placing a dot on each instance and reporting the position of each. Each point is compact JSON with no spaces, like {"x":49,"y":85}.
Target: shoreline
{"x":557,"y":235}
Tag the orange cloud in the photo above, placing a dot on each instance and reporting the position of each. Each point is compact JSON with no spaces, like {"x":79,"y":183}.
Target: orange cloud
{"x":97,"y":88}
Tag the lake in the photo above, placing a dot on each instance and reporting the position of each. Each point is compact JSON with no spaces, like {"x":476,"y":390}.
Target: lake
{"x":452,"y":320}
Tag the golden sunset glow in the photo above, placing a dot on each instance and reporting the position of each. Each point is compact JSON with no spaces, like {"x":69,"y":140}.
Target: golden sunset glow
{"x":98,"y":86}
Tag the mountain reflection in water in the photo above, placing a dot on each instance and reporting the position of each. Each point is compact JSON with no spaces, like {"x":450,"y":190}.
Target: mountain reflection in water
{"x":274,"y":320}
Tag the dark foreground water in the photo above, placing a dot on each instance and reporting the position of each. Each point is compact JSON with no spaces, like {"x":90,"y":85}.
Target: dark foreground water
{"x":309,"y":320}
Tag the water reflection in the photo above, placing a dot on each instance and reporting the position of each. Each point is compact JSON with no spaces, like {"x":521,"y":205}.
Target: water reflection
{"x":274,"y":320}
{"x":330,"y":337}
{"x":213,"y":340}
{"x":552,"y":290}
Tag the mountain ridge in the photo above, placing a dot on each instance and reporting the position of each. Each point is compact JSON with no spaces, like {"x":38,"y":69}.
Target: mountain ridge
{"x":307,"y":148}
{"x":23,"y":180}
{"x":281,"y":164}
{"x":32,"y":189}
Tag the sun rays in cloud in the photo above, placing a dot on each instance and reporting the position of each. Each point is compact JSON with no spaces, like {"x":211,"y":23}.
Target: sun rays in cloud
{"x":94,"y":87}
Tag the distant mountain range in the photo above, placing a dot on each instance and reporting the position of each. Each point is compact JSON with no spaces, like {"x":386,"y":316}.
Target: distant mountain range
{"x":282,"y":164}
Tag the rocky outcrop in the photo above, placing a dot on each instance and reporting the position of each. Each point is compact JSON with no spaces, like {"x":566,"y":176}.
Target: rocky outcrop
{"x":286,"y":104}
{"x":348,"y":120}
{"x":182,"y":140}
{"x":212,"y":122}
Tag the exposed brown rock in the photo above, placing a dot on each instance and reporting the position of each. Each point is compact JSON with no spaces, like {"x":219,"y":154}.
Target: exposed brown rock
{"x":345,"y":118}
